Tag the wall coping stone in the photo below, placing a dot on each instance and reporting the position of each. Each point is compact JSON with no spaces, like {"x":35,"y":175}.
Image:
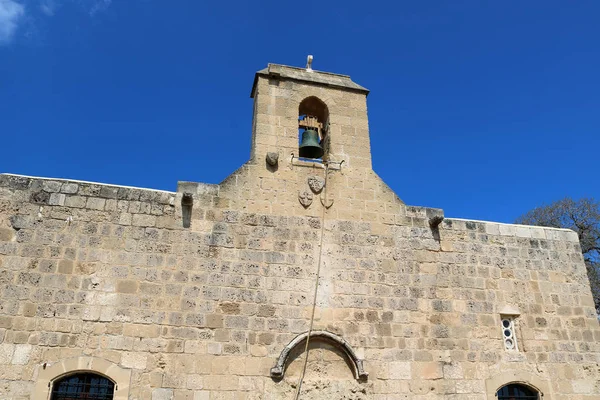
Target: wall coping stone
{"x":517,"y":230}
{"x":198,"y":188}
{"x":330,"y":79}
{"x":31,"y":179}
{"x":488,"y":227}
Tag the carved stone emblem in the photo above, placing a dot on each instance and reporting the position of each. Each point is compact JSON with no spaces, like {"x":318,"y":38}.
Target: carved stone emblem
{"x":305,"y":197}
{"x":316,"y":183}
{"x":272,"y":158}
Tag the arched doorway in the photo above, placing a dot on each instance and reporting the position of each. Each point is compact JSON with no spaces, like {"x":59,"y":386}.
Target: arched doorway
{"x":515,"y":391}
{"x":83,"y":385}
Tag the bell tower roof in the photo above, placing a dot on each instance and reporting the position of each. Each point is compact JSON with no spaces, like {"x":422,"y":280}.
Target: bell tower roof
{"x":329,"y":79}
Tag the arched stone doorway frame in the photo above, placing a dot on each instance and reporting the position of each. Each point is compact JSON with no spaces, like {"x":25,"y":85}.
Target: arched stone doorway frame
{"x":278,"y":371}
{"x":48,"y":374}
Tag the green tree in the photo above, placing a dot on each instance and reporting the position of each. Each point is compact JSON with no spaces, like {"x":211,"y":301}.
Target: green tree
{"x":582,"y":216}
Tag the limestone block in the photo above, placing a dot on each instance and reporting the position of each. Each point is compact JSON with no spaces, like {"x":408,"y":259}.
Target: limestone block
{"x":65,"y":266}
{"x":214,"y":320}
{"x":162,"y":394}
{"x":51,"y":186}
{"x":75,"y":201}
{"x":214,"y":348}
{"x":202,"y":395}
{"x":537,"y":232}
{"x":143,"y":220}
{"x":95,"y":203}
{"x":127,"y":286}
{"x":21,"y":354}
{"x":583,"y":386}
{"x":57,"y":199}
{"x":399,"y":370}
{"x":194,"y":381}
{"x":134,"y":360}
{"x":7,"y":235}
{"x":507,"y":230}
{"x":6,"y":353}
{"x":69,"y":188}
{"x":492,"y":229}
{"x":522,"y":231}
{"x":427,"y":371}
{"x":21,"y":221}
{"x":109,"y":192}
{"x":570,"y":236}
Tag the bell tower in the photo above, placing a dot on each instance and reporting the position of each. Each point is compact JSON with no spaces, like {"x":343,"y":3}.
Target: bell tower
{"x":316,"y":116}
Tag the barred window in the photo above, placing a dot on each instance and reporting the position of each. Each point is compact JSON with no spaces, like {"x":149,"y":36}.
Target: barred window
{"x":83,"y":386}
{"x":517,"y":392}
{"x":509,"y":333}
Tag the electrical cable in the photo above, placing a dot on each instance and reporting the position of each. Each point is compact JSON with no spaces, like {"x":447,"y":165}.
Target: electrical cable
{"x":314,"y":303}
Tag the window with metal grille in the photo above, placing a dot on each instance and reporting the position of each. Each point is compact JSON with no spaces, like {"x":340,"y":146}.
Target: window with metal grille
{"x":86,"y":386}
{"x":517,"y":392}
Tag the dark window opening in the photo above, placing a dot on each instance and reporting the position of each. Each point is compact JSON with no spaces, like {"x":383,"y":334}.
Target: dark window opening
{"x":83,"y":386}
{"x":517,"y":392}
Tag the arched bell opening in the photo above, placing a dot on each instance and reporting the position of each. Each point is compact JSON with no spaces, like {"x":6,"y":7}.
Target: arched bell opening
{"x":313,"y":129}
{"x":297,"y":345}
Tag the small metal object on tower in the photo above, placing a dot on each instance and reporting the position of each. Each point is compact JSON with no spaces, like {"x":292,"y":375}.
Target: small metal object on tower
{"x":309,"y":61}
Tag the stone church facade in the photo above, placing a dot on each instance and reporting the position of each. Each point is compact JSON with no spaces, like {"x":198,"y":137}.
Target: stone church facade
{"x":215,"y":292}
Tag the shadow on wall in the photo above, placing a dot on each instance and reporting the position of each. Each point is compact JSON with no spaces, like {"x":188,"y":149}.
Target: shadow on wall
{"x":324,"y":360}
{"x":187,"y":202}
{"x":329,"y":375}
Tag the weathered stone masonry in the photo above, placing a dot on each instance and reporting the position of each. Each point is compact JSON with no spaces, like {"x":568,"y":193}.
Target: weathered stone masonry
{"x":110,"y":279}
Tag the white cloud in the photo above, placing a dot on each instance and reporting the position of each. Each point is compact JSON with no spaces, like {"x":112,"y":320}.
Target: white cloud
{"x":11,"y":14}
{"x":99,"y":5}
{"x":92,"y":7}
{"x":48,"y":7}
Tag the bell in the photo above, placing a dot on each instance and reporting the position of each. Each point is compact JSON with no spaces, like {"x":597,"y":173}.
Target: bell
{"x":310,"y":146}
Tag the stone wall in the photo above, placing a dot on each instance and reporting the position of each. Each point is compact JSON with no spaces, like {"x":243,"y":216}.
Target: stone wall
{"x":112,"y":279}
{"x":203,"y":313}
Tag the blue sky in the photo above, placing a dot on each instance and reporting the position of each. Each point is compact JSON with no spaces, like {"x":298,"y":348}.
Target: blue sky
{"x":485,"y":109}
